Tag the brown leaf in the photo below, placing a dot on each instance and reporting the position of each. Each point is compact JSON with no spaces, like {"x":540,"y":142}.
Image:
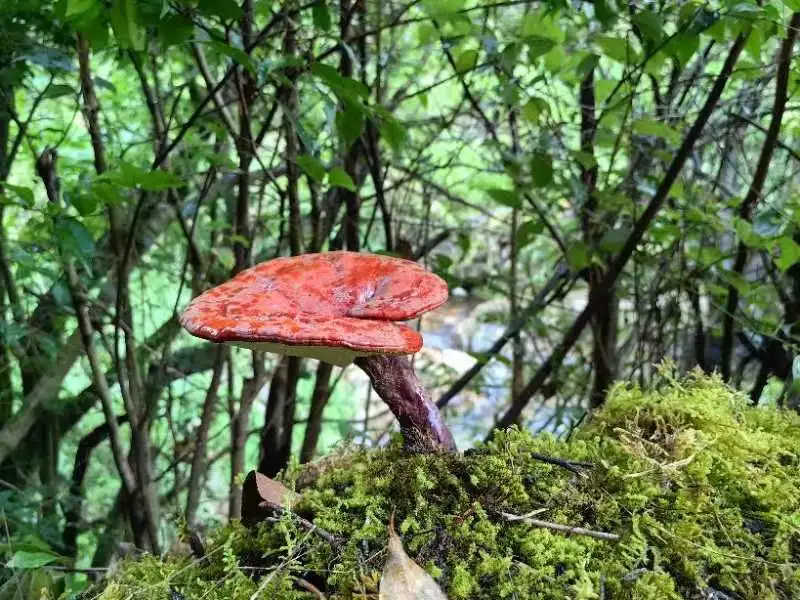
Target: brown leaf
{"x":404,"y":579}
{"x":262,"y":497}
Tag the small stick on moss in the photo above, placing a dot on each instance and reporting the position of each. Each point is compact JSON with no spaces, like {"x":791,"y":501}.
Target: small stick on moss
{"x":600,"y":535}
{"x":570,"y":465}
{"x":309,"y":587}
{"x":310,"y":527}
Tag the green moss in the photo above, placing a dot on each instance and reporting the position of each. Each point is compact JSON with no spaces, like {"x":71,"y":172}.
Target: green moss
{"x":703,"y":490}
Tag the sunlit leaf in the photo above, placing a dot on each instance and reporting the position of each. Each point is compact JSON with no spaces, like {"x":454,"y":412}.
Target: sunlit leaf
{"x":789,"y":253}
{"x":539,"y":46}
{"x":339,"y":178}
{"x":534,"y":109}
{"x":467,"y":60}
{"x":618,"y":49}
{"x":237,"y":54}
{"x":312,"y":166}
{"x":23,"y":195}
{"x":652,"y":127}
{"x":508,"y":198}
{"x":79,"y":7}
{"x":31,"y":560}
{"x":650,"y":25}
{"x":127,"y":29}
{"x":527,"y":232}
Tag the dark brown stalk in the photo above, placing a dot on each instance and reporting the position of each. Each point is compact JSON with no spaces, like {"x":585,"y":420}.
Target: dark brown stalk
{"x":757,"y":185}
{"x":421,"y":423}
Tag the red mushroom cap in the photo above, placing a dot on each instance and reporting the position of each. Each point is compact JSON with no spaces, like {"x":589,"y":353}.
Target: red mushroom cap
{"x":334,"y":299}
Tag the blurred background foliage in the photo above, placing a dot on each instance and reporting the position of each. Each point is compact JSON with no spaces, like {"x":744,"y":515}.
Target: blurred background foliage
{"x":603,"y":185}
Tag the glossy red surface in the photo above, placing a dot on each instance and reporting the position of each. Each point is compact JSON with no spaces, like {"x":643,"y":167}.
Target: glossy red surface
{"x":338,"y":299}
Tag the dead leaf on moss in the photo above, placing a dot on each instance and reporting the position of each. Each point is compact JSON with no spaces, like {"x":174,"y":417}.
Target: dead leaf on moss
{"x":402,"y":578}
{"x":263,"y":496}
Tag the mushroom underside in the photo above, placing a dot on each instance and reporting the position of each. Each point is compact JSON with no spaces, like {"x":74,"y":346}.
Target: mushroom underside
{"x":335,"y":355}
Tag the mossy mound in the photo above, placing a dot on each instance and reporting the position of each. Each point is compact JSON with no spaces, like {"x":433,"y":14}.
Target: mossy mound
{"x":703,"y":490}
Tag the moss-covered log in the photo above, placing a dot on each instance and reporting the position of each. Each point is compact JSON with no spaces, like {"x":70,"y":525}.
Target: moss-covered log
{"x":703,"y":491}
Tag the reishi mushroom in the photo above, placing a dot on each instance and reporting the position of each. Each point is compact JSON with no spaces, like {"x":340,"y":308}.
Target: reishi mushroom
{"x":337,"y":307}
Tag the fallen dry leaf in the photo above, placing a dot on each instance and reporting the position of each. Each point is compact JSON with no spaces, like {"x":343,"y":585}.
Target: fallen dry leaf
{"x":263,"y":496}
{"x":402,"y":578}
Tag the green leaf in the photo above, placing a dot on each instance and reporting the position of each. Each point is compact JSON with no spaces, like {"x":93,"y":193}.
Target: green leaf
{"x":466,"y":61}
{"x":652,"y":127}
{"x":534,"y":109}
{"x":156,"y":181}
{"x":682,"y":47}
{"x":59,"y":90}
{"x":650,"y":25}
{"x":341,"y":86}
{"x":74,"y":240}
{"x":541,"y":165}
{"x":577,"y":256}
{"x":321,"y":15}
{"x":586,"y":65}
{"x":127,"y":30}
{"x":237,"y":54}
{"x":175,"y":29}
{"x":350,"y":123}
{"x":31,"y":560}
{"x":339,"y":178}
{"x":130,"y":176}
{"x":618,"y":49}
{"x":614,"y":239}
{"x":539,"y":46}
{"x":224,"y":9}
{"x":393,"y":132}
{"x":585,"y":159}
{"x":79,"y":7}
{"x":442,"y":7}
{"x":84,"y":203}
{"x":527,"y":232}
{"x":508,"y":198}
{"x":312,"y":166}
{"x":24,"y":194}
{"x":744,"y":229}
{"x":789,"y":253}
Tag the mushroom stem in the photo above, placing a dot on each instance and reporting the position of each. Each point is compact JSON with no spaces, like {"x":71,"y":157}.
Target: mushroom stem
{"x":421,"y":424}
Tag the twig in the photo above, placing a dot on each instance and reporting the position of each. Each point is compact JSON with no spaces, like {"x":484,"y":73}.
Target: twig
{"x":599,"y":535}
{"x":309,"y":587}
{"x":570,"y":465}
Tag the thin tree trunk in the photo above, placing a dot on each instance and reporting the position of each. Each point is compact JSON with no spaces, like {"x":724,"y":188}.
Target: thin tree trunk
{"x":319,"y":398}
{"x":750,"y":201}
{"x":616,"y":267}
{"x":198,"y":468}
